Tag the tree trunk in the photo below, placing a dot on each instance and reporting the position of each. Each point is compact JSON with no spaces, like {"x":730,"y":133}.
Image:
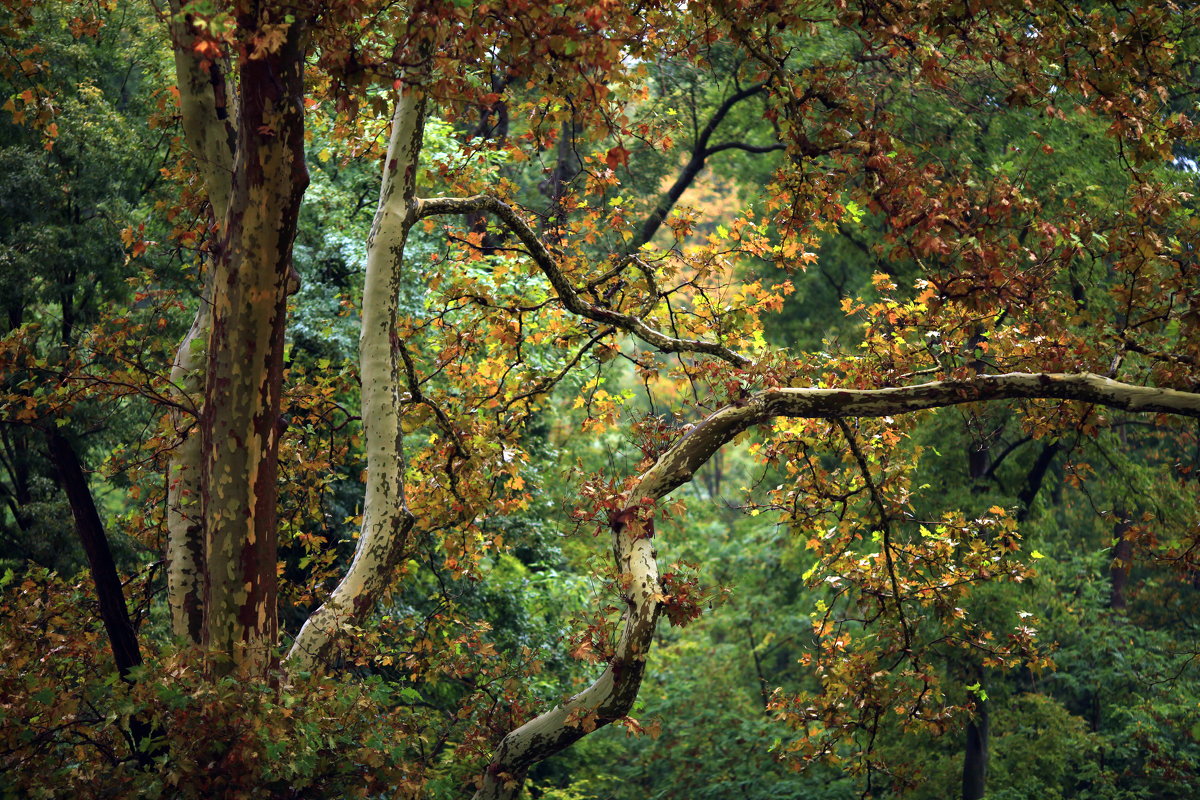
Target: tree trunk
{"x":975,"y":764}
{"x":386,"y":518}
{"x":240,"y":421}
{"x":1122,"y":562}
{"x":122,"y":638}
{"x":208,"y":129}
{"x":1035,"y":479}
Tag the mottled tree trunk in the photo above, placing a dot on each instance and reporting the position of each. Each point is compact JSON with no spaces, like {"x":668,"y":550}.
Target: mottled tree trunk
{"x":210,"y":135}
{"x":240,"y":423}
{"x":386,"y":518}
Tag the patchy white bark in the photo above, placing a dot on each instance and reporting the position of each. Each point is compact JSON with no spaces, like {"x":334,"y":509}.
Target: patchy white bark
{"x":386,"y":518}
{"x":209,"y":136}
{"x":1085,"y":387}
{"x":185,"y":526}
{"x":613,"y":692}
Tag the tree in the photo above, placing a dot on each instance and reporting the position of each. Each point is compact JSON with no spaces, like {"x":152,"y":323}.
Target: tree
{"x":975,"y":292}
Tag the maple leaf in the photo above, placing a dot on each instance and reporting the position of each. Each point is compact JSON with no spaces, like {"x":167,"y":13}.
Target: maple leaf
{"x":616,"y":157}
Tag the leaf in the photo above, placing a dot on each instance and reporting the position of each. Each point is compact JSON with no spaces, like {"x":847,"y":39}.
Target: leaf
{"x":617,"y":156}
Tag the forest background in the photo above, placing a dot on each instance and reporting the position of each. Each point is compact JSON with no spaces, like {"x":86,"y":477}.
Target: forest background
{"x":362,"y":361}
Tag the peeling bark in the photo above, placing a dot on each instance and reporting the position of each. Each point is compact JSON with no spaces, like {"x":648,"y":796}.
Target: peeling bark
{"x":614,"y":691}
{"x":242,"y":393}
{"x":185,"y":526}
{"x":209,"y":134}
{"x":386,"y":518}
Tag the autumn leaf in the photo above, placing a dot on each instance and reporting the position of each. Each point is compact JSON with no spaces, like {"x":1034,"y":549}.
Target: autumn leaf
{"x":616,"y":156}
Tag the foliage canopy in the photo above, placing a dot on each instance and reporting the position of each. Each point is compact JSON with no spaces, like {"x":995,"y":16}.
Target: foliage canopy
{"x":338,"y":338}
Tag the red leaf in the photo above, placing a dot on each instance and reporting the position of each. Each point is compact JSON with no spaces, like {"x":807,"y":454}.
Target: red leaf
{"x":616,"y":156}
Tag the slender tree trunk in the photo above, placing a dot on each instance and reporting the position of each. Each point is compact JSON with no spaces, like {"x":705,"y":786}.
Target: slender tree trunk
{"x":567,"y":165}
{"x":1035,"y":479}
{"x":122,"y":638}
{"x":386,"y":518}
{"x":240,"y":421}
{"x":975,"y":754}
{"x":1122,"y":562}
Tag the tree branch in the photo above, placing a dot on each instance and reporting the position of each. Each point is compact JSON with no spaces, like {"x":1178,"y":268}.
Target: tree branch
{"x":885,"y":526}
{"x":566,"y":292}
{"x":1086,"y":387}
{"x":700,"y":152}
{"x":744,"y":147}
{"x":612,"y":694}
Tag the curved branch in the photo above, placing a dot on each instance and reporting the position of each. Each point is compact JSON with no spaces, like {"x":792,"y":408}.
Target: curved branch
{"x":566,"y":292}
{"x":700,"y":152}
{"x":612,"y":694}
{"x":744,"y":147}
{"x":386,"y":519}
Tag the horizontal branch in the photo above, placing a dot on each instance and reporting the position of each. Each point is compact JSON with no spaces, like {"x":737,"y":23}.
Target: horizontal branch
{"x":614,"y":691}
{"x":744,"y":147}
{"x":1085,"y":387}
{"x":691,"y":452}
{"x":566,"y":292}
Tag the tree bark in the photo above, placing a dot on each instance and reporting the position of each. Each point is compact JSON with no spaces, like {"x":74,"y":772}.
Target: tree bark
{"x":386,"y":518}
{"x":209,"y":133}
{"x":975,"y":764}
{"x":240,"y":419}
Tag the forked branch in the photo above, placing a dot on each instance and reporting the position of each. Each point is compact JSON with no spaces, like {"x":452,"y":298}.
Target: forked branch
{"x":570,"y":298}
{"x":612,"y":694}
